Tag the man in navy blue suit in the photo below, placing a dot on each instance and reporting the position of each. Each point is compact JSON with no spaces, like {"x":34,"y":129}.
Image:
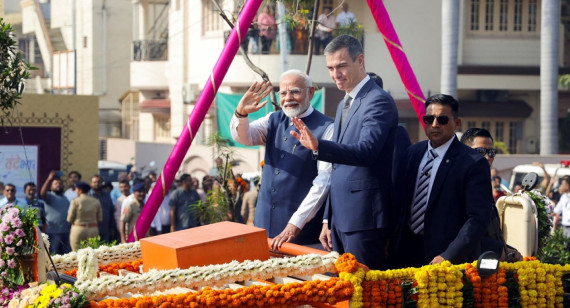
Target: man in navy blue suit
{"x":445,"y":208}
{"x":361,"y":153}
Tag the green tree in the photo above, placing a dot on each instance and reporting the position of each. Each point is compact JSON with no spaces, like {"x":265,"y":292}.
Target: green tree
{"x":13,"y":71}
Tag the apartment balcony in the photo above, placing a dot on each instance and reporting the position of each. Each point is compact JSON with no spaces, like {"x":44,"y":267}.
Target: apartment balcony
{"x":271,"y":62}
{"x":150,"y":50}
{"x":148,"y":65}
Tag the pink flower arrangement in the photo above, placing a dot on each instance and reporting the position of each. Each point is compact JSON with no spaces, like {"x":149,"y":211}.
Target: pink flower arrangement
{"x":6,"y":294}
{"x":17,"y":238}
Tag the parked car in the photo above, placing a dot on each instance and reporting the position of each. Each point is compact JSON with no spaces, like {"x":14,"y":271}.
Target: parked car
{"x":554,"y":170}
{"x":110,"y":170}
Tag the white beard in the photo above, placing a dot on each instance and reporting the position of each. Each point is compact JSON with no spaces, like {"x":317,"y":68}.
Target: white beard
{"x":291,"y":113}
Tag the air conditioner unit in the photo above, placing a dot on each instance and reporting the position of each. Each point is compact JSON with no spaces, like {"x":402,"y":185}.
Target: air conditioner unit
{"x":190,"y":92}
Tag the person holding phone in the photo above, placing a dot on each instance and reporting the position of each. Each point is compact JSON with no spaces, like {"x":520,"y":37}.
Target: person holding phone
{"x":56,"y":208}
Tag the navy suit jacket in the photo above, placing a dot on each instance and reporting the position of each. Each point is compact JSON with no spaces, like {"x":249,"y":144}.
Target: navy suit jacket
{"x":458,"y":210}
{"x":361,"y":156}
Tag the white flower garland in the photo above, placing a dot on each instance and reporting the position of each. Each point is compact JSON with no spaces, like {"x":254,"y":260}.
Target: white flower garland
{"x":105,"y":255}
{"x":87,"y":264}
{"x":212,"y":275}
{"x":45,"y":238}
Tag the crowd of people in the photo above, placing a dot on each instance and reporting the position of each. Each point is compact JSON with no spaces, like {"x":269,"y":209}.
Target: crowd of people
{"x":263,"y":31}
{"x":74,"y":211}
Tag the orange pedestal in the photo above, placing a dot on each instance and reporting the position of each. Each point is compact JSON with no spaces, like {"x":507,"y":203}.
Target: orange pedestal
{"x":212,"y":244}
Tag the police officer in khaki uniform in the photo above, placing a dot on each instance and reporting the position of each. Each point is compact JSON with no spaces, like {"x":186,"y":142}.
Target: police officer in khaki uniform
{"x":132,"y":211}
{"x":84,"y":214}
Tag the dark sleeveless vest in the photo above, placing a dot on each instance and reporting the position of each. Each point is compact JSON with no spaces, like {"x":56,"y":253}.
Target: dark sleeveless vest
{"x":288,"y":174}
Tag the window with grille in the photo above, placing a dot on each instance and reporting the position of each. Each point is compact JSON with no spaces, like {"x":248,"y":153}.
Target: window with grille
{"x":515,"y":134}
{"x":211,"y":20}
{"x":488,"y":17}
{"x":504,"y":15}
{"x":508,"y":131}
{"x":489,"y":14}
{"x":499,"y":130}
{"x":532,"y":15}
{"x":474,"y":20}
{"x":161,"y":127}
{"x":518,"y":16}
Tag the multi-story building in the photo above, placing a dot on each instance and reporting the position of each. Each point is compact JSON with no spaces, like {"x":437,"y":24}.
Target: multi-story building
{"x":498,"y":65}
{"x":80,"y":48}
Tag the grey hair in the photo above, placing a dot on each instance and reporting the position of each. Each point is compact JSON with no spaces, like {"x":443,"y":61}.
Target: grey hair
{"x":308,"y":80}
{"x":349,"y":42}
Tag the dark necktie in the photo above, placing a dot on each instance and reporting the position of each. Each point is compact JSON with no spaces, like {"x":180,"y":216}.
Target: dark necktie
{"x":419,"y":204}
{"x":345,"y":108}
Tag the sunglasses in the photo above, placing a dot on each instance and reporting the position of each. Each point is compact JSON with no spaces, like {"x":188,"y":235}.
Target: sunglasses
{"x":492,"y":152}
{"x":442,"y":120}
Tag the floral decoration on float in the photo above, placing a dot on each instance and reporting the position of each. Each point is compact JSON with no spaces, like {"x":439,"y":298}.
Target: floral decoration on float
{"x":522,"y":284}
{"x":204,"y":276}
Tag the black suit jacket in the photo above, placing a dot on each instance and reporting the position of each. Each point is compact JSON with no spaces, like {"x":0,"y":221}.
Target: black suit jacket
{"x":458,"y":210}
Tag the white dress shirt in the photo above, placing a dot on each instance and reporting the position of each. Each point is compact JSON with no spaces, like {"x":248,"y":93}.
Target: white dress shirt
{"x":345,"y":18}
{"x":440,"y":150}
{"x":358,"y":87}
{"x":255,"y":133}
{"x":162,"y":216}
{"x":326,"y":23}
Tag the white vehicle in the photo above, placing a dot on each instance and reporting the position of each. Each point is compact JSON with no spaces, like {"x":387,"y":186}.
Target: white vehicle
{"x":110,"y":170}
{"x":554,"y":170}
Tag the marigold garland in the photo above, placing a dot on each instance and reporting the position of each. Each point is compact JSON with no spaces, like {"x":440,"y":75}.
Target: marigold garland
{"x":212,"y":275}
{"x":355,"y":279}
{"x":473,"y":276}
{"x":113,"y":268}
{"x":289,"y":295}
{"x":382,"y":293}
{"x":521,"y":284}
{"x":490,"y":291}
{"x":346,"y":263}
{"x":502,"y":290}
